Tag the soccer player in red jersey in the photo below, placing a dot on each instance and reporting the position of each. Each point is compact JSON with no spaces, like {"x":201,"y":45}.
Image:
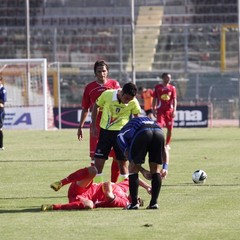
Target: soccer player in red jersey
{"x":165,"y":105}
{"x":84,"y":194}
{"x":91,"y":92}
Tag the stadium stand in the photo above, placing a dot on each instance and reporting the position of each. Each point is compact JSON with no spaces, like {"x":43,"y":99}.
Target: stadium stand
{"x":183,"y":37}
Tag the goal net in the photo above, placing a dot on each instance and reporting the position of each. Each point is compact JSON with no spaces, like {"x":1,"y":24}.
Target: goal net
{"x":29,"y":102}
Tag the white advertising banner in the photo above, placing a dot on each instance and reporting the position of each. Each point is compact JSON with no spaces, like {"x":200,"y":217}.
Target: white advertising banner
{"x":24,"y":118}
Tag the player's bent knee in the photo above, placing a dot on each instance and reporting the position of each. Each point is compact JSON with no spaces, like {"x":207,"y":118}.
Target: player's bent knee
{"x":92,"y":171}
{"x":88,"y":204}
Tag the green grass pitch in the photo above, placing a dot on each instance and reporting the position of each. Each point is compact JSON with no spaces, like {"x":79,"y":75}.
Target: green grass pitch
{"x":32,"y":160}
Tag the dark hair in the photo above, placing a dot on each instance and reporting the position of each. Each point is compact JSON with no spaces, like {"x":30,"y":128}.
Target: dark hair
{"x":129,"y":88}
{"x":101,"y":63}
{"x":165,"y":74}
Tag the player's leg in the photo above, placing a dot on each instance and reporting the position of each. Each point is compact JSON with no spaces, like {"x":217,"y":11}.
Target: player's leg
{"x":169,"y":125}
{"x":161,"y":120}
{"x":1,"y":139}
{"x":99,"y":164}
{"x":156,"y":150}
{"x":92,"y":145}
{"x":2,"y":114}
{"x":156,"y":184}
{"x":83,"y":203}
{"x":133,"y":184}
{"x":82,"y":176}
{"x":106,"y":141}
{"x":122,"y":161}
{"x":136,"y":157}
{"x":114,"y":167}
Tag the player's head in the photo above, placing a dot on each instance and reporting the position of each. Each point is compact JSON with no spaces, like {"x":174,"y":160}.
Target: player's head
{"x":128,"y":92}
{"x":130,"y":89}
{"x":101,"y":70}
{"x":141,"y":89}
{"x":1,"y":79}
{"x":166,"y":77}
{"x":100,"y":63}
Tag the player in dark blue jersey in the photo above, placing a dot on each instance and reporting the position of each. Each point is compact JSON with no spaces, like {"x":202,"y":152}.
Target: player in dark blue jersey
{"x":138,"y":137}
{"x":3,"y":99}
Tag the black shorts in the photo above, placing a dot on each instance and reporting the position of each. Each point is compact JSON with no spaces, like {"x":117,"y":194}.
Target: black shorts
{"x":106,"y":141}
{"x":2,"y":115}
{"x":149,"y":111}
{"x":147,"y":140}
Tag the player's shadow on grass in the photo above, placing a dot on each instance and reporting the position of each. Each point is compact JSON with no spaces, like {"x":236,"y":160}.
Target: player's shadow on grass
{"x":26,"y":210}
{"x":202,"y":185}
{"x":18,"y":198}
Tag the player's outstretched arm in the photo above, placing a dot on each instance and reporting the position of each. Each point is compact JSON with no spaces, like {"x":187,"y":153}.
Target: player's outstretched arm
{"x":145,"y":185}
{"x":146,"y":173}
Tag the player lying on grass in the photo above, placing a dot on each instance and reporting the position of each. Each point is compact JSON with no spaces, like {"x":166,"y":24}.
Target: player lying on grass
{"x":84,"y":194}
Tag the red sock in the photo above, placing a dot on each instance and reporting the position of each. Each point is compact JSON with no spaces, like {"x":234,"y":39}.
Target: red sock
{"x":76,"y":176}
{"x":68,"y":206}
{"x":168,"y":140}
{"x":114,"y":171}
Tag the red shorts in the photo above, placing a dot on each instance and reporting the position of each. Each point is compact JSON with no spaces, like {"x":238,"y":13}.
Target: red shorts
{"x":165,"y":119}
{"x":93,"y":192}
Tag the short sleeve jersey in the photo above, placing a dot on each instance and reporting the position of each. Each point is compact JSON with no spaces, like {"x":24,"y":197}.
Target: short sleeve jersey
{"x":127,"y":133}
{"x":115,"y":115}
{"x":165,"y":96}
{"x":93,"y":90}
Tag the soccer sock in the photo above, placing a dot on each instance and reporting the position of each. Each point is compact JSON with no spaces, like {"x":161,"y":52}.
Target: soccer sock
{"x":156,"y":187}
{"x":1,"y":139}
{"x":98,"y":178}
{"x":114,"y":171}
{"x":168,"y":139}
{"x":76,"y":176}
{"x":68,"y":206}
{"x":133,"y":187}
{"x":122,"y":177}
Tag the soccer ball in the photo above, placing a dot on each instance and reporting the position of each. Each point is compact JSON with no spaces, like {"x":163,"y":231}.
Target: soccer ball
{"x":199,"y":176}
